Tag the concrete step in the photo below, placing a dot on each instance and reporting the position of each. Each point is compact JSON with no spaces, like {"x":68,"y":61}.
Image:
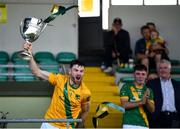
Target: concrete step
{"x":93,"y":70}
{"x":98,"y":79}
{"x":98,"y":74}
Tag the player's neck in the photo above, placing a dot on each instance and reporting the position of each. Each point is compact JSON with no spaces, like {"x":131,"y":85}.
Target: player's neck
{"x":72,"y":84}
{"x":138,"y":84}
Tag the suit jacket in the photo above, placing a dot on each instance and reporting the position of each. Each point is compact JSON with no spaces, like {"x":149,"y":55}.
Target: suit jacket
{"x":155,"y":85}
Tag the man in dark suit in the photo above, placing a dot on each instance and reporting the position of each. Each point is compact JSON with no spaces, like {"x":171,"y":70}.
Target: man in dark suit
{"x":166,"y":97}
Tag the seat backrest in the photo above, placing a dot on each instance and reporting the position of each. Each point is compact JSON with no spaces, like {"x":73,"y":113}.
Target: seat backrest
{"x":15,"y":57}
{"x":43,"y":56}
{"x":4,"y":57}
{"x":65,"y":57}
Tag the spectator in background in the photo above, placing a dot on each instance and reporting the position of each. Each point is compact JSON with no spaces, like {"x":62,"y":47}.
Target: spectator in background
{"x":151,"y":26}
{"x":158,"y":46}
{"x":136,"y":98}
{"x":150,"y":49}
{"x":167,"y":99}
{"x":117,"y":46}
{"x":142,"y":48}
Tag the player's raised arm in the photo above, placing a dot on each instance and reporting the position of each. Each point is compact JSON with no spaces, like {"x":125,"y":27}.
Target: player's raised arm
{"x":33,"y":65}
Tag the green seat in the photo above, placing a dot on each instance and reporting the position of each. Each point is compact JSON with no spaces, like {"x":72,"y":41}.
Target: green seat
{"x":27,"y":77}
{"x":4,"y":57}
{"x":21,"y":62}
{"x":22,"y":70}
{"x":3,"y":77}
{"x":15,"y":57}
{"x":21,"y":65}
{"x":175,"y":62}
{"x":44,"y":56}
{"x":52,"y":70}
{"x":177,"y":79}
{"x":24,"y":78}
{"x":124,"y":70}
{"x":50,"y":66}
{"x":65,"y":57}
{"x":175,"y":71}
{"x":127,"y":79}
{"x":49,"y":62}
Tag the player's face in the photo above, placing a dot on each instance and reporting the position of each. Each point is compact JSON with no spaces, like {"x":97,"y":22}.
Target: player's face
{"x":164,"y":70}
{"x":140,"y":76}
{"x":76,"y":73}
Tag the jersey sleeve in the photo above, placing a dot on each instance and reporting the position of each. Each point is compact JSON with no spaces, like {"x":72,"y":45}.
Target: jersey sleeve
{"x":54,"y":78}
{"x":124,"y":94}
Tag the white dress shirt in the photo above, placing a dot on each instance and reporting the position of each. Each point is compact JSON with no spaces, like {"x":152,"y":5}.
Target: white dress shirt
{"x":168,"y":95}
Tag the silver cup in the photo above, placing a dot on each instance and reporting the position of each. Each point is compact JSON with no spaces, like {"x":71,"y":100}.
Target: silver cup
{"x":30,"y":29}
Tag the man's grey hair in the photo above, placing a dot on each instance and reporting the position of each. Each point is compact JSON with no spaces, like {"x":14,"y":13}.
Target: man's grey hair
{"x":164,"y":61}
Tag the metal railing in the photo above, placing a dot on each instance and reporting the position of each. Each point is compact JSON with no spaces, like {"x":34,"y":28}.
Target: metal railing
{"x":30,"y":120}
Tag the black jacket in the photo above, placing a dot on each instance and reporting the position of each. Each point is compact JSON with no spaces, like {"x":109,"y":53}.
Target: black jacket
{"x":155,"y":85}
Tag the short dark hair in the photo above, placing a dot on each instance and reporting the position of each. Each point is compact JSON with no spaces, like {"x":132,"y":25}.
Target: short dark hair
{"x":155,"y":31}
{"x":150,"y":23}
{"x":140,"y":67}
{"x":144,"y":27}
{"x":76,"y":62}
{"x":117,"y":20}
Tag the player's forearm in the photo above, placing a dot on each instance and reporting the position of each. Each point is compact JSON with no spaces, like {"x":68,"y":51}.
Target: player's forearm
{"x":129,"y":105}
{"x":83,"y":116}
{"x":34,"y":67}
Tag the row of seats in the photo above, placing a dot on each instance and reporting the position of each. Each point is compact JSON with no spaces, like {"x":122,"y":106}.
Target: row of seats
{"x":61,"y":57}
{"x":20,"y":71}
{"x":14,"y":68}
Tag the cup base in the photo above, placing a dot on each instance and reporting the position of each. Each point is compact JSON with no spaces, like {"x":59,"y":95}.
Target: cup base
{"x":25,"y":55}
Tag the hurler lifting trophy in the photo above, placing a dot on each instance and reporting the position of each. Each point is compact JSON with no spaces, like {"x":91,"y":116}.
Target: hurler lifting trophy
{"x":31,"y":27}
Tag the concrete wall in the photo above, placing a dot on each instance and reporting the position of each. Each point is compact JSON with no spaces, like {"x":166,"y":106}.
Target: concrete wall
{"x":24,"y":107}
{"x":166,"y":18}
{"x":63,"y":36}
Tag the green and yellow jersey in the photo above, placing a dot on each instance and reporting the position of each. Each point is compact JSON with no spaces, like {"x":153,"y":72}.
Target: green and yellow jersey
{"x":133,"y":93}
{"x":66,"y":100}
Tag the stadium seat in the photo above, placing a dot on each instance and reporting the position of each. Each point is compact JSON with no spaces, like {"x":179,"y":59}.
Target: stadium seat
{"x":49,"y":62}
{"x":15,"y":57}
{"x":127,"y":79}
{"x":65,"y":57}
{"x":27,"y":77}
{"x":4,"y":57}
{"x":21,"y":62}
{"x":175,"y":70}
{"x":124,"y":70}
{"x":3,"y":77}
{"x":44,"y":56}
{"x":24,"y":78}
{"x":50,"y":66}
{"x":175,"y":62}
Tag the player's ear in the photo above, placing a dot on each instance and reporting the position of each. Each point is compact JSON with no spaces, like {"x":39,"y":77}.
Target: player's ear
{"x":69,"y":71}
